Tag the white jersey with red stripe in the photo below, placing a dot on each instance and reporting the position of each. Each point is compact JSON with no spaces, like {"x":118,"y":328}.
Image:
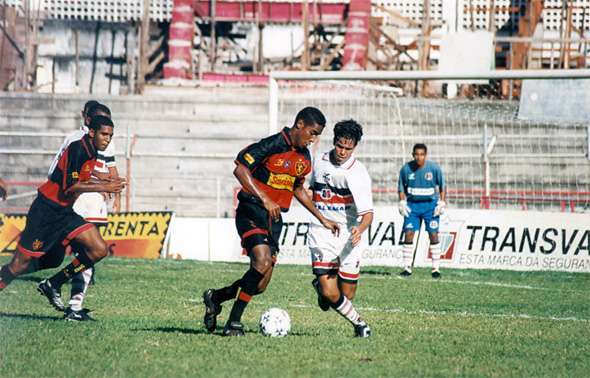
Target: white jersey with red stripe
{"x":342,"y":193}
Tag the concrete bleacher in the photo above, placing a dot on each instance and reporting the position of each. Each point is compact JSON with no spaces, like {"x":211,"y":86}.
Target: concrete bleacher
{"x":208,"y":126}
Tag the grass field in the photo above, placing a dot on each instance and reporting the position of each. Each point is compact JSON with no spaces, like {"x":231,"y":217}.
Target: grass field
{"x":470,"y":323}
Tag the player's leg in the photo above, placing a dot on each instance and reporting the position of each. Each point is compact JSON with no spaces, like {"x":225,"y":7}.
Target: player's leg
{"x":260,"y":266}
{"x":324,"y":248}
{"x":94,"y":249}
{"x":408,"y":252}
{"x":348,"y":275}
{"x":17,"y":266}
{"x":432,"y":223}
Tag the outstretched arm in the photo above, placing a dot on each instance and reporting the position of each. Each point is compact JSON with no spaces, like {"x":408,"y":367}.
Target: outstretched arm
{"x":303,"y":197}
{"x":112,"y":185}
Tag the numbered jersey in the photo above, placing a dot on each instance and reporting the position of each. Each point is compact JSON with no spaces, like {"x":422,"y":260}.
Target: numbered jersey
{"x":342,"y":193}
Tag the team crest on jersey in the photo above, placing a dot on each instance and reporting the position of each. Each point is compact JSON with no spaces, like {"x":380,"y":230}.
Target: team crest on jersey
{"x":249,"y":158}
{"x":433,"y":224}
{"x":428,"y":176}
{"x":300,"y":168}
{"x":326,"y":194}
{"x":37,"y":244}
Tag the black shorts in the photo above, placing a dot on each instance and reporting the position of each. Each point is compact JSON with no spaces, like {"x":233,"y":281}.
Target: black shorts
{"x":255,"y":228}
{"x":49,"y":228}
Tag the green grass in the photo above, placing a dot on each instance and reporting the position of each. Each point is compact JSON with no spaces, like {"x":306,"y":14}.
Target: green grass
{"x":470,"y":323}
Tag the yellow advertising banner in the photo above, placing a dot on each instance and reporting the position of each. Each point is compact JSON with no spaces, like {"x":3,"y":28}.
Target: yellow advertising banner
{"x":138,"y":235}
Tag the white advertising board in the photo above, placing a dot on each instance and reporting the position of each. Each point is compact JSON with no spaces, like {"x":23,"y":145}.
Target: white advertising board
{"x":479,"y":239}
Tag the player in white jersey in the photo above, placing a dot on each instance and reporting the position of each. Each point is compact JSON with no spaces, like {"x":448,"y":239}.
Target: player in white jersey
{"x":342,"y":193}
{"x":90,"y":205}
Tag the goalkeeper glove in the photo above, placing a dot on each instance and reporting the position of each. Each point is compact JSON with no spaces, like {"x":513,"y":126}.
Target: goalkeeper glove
{"x":404,"y":209}
{"x":439,"y":209}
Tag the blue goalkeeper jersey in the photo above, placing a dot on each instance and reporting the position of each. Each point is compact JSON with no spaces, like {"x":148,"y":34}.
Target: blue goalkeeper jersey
{"x":420,"y":184}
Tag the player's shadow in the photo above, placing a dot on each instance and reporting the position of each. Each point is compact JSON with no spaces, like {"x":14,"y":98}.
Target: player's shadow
{"x":189,"y":331}
{"x":376,"y":273}
{"x":29,"y":316}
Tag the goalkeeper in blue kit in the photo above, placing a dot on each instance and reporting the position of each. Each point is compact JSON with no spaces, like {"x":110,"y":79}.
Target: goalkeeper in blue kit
{"x":419,"y":201}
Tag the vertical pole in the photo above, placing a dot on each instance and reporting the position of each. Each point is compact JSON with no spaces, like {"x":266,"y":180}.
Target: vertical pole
{"x":486,"y":166}
{"x":273,"y":105}
{"x":77,"y":47}
{"x":492,"y":20}
{"x":213,"y":15}
{"x":218,"y":197}
{"x":144,"y":44}
{"x":305,"y":22}
{"x":128,"y":157}
{"x":510,"y":68}
{"x":260,"y":67}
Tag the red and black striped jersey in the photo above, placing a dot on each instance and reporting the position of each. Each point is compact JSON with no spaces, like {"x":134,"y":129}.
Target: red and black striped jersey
{"x":75,"y":164}
{"x":277,"y":166}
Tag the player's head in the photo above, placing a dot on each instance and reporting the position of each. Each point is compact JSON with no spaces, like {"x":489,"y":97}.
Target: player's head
{"x":419,"y":152}
{"x":347,"y":135}
{"x":309,"y":123}
{"x":101,"y":130}
{"x":87,"y":107}
{"x":99,"y":110}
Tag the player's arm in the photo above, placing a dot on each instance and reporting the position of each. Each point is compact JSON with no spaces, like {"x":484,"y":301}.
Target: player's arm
{"x":117,"y":201}
{"x":403,"y":208}
{"x":112,"y":185}
{"x":357,"y":231}
{"x":301,"y":194}
{"x":246,"y":179}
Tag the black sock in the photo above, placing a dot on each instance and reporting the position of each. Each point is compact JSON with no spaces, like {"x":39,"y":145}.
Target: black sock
{"x":227,"y":293}
{"x":248,"y":285}
{"x":79,"y":265}
{"x":6,"y":277}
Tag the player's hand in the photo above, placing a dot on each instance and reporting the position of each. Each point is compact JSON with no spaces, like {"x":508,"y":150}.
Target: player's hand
{"x":355,"y":236}
{"x":273,"y":209}
{"x":115,"y":185}
{"x":440,"y":208}
{"x":332,"y":226}
{"x":404,"y":209}
{"x":117,"y":204}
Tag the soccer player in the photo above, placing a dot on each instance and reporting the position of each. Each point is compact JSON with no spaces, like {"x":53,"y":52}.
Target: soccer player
{"x":341,"y":192}
{"x":271,"y":172}
{"x":419,"y":200}
{"x":52,"y":224}
{"x":92,"y":206}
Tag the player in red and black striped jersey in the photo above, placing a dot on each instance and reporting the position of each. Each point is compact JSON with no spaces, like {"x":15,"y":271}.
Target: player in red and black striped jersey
{"x":272,"y":172}
{"x":52,"y":223}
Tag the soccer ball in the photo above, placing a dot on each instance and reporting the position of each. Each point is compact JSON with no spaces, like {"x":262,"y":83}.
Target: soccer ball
{"x":275,"y":322}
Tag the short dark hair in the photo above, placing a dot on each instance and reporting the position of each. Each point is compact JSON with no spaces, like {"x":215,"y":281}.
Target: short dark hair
{"x":419,"y":146}
{"x":89,"y":104}
{"x":99,"y":121}
{"x":348,"y":129}
{"x":92,"y":112}
{"x":310,"y":116}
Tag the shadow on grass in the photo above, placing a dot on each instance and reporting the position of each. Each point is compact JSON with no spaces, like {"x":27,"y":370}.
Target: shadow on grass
{"x":30,"y":316}
{"x":376,"y":273}
{"x":172,"y":330}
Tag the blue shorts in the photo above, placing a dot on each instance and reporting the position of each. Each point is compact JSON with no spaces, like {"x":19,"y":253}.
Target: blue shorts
{"x":421,"y":211}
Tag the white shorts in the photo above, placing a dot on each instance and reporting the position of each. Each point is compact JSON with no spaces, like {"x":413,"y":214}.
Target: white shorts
{"x":331,"y":254}
{"x":92,"y":207}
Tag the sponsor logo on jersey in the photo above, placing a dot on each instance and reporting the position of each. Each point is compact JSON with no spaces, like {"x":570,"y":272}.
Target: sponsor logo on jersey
{"x":75,"y":175}
{"x":281,"y":181}
{"x":249,"y":158}
{"x":300,"y":168}
{"x":411,"y":177}
{"x":428,"y":176}
{"x":326,"y":177}
{"x":37,"y":244}
{"x":287,"y":164}
{"x":279,"y":162}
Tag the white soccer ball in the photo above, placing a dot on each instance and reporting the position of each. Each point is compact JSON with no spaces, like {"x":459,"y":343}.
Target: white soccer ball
{"x":275,"y":322}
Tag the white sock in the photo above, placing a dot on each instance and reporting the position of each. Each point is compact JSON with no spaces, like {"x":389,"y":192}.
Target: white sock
{"x":80,"y":283}
{"x":408,"y":252}
{"x":347,"y":310}
{"x":435,"y":253}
